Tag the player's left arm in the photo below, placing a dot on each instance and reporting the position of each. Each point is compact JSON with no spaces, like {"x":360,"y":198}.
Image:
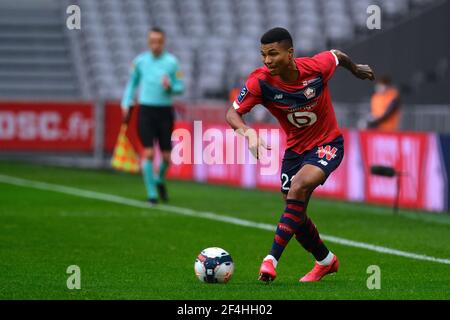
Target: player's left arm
{"x":361,"y":71}
{"x":175,"y":85}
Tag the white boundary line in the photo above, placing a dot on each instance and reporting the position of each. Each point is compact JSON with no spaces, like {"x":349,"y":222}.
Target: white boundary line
{"x":202,"y":214}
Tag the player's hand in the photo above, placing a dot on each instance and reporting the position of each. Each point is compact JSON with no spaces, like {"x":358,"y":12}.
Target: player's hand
{"x":255,"y":143}
{"x":363,"y":71}
{"x":126,"y":115}
{"x":166,"y":83}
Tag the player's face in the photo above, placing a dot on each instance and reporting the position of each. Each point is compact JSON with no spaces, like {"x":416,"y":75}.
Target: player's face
{"x":156,"y":42}
{"x":276,"y":57}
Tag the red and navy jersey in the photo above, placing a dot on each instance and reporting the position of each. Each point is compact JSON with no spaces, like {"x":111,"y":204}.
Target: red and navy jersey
{"x":303,"y":108}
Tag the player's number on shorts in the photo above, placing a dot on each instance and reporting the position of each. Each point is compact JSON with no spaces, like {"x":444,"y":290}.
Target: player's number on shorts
{"x":285,"y":180}
{"x":301,"y":119}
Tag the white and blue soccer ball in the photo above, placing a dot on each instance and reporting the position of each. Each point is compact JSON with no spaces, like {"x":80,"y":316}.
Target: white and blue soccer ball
{"x":214,"y":265}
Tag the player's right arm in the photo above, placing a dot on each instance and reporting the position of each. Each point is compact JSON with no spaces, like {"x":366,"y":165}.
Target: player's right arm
{"x":244,"y":102}
{"x":130,"y":89}
{"x":235,"y":120}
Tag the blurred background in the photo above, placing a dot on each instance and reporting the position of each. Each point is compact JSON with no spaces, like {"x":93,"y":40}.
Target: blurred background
{"x":60,"y":89}
{"x":217,"y":43}
{"x":64,"y":208}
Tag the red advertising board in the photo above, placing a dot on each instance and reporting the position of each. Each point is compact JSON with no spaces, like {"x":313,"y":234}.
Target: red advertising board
{"x":269,"y":166}
{"x":113,"y":121}
{"x":211,"y":152}
{"x":46,"y":126}
{"x":215,"y":153}
{"x":406,"y":153}
{"x":182,"y":147}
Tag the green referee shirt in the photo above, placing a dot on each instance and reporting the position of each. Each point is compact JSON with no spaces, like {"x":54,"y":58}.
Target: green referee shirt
{"x":147,"y":73}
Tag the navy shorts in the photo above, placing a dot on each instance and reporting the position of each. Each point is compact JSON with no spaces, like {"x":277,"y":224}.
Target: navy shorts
{"x":327,"y":157}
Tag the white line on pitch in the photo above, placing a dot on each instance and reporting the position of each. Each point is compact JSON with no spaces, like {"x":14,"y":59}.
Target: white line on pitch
{"x":202,"y":214}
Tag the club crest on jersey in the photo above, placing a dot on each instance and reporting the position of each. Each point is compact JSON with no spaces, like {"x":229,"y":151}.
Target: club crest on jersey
{"x":327,"y":152}
{"x":242,"y":94}
{"x":309,"y":93}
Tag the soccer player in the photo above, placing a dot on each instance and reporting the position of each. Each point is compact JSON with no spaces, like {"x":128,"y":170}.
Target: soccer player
{"x":157,"y":72}
{"x":295,"y":91}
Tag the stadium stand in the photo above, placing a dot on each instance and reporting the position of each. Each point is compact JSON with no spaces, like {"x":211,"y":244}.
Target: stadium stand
{"x":35,"y":58}
{"x":216,"y":41}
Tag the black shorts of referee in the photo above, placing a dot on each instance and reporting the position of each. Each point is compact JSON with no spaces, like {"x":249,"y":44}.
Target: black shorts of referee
{"x":155,"y":123}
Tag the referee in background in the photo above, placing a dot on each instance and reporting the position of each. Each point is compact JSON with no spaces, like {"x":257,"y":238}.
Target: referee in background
{"x":159,"y":77}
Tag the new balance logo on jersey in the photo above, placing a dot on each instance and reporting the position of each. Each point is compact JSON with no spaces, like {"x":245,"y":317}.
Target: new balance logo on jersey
{"x":278,"y":96}
{"x":323,"y":162}
{"x":327,"y":152}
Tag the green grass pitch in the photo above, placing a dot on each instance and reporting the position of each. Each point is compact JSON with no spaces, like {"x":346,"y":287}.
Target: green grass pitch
{"x":128,"y":252}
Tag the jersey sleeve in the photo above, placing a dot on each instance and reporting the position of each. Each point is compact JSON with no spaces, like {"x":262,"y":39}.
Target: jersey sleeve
{"x":132,"y":84}
{"x":325,"y":63}
{"x":249,"y":96}
{"x":176,"y":78}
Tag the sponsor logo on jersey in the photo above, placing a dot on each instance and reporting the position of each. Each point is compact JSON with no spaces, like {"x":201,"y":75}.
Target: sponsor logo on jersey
{"x":302,"y":108}
{"x":306,"y":82}
{"x":327,"y":151}
{"x":242,"y":94}
{"x":323,"y":162}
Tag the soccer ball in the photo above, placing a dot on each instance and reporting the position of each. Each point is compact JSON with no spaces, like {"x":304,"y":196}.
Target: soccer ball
{"x":214,"y":265}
